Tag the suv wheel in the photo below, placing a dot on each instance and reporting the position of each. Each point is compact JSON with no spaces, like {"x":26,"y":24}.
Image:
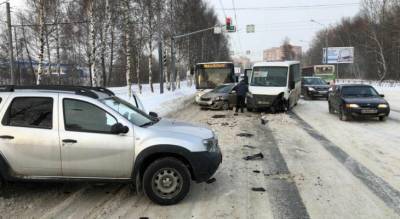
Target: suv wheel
{"x":382,"y":118}
{"x":166,"y":181}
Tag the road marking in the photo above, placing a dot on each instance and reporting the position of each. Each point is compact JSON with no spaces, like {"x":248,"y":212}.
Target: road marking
{"x":283,"y":192}
{"x":377,"y":185}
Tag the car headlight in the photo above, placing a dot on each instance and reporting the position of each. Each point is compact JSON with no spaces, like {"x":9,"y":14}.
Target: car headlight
{"x":352,"y":105}
{"x":211,"y":144}
{"x":383,"y":106}
{"x":311,"y":89}
{"x":219,"y":98}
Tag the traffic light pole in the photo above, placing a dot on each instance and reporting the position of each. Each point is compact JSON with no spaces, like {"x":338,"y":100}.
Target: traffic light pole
{"x":173,"y":58}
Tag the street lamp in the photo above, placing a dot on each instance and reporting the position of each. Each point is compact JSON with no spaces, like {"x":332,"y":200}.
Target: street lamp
{"x":326,"y":32}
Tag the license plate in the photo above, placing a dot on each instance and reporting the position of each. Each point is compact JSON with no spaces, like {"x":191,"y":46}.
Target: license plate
{"x":322,"y":92}
{"x":369,"y":111}
{"x":263,"y":102}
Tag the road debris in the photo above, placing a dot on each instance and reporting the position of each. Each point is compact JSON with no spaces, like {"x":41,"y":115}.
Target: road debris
{"x":212,"y":180}
{"x":249,"y":146}
{"x":218,"y":116}
{"x":254,"y":157}
{"x":258,"y":189}
{"x":247,"y":135}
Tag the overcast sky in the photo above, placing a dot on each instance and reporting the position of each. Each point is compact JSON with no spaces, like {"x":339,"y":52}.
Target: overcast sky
{"x":276,"y":19}
{"x":273,"y":19}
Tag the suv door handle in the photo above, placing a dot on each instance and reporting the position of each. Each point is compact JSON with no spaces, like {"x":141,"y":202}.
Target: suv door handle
{"x":6,"y":137}
{"x":69,"y":141}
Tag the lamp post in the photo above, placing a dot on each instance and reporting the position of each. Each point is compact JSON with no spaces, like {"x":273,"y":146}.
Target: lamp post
{"x":326,"y":38}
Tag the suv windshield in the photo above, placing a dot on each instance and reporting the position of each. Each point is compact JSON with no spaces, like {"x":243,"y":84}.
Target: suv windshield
{"x":313,"y":81}
{"x":130,"y":112}
{"x":359,"y":91}
{"x":222,"y":89}
{"x":269,"y":76}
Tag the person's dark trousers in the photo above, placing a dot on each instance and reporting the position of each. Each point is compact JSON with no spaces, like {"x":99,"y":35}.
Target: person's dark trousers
{"x":239,"y":103}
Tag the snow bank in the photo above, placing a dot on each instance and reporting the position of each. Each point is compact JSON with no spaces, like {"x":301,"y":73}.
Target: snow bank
{"x":163,"y":104}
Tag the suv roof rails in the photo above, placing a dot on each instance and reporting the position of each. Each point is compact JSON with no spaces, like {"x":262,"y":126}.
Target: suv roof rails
{"x":80,"y":90}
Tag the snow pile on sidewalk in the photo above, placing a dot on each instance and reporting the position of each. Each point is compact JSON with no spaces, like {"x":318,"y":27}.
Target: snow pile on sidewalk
{"x":162,"y":104}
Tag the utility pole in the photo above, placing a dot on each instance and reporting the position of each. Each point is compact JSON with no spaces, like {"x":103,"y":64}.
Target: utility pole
{"x":10,"y":43}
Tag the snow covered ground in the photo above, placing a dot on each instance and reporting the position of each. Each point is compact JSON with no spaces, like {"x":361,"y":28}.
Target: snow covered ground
{"x":163,"y":104}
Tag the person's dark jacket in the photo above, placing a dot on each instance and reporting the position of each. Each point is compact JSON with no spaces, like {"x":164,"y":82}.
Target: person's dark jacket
{"x":241,"y":89}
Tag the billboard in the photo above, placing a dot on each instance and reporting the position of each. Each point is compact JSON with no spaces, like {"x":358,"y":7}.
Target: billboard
{"x":337,"y":55}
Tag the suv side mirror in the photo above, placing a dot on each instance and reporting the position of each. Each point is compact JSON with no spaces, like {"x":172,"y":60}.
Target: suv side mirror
{"x":118,"y":128}
{"x":382,"y":95}
{"x":292,"y":85}
{"x":153,"y":114}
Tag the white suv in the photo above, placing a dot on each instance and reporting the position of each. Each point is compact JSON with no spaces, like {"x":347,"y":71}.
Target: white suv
{"x":84,"y":133}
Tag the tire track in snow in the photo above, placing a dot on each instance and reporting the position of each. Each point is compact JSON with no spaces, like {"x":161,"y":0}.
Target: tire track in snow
{"x":283,"y":193}
{"x":389,"y":195}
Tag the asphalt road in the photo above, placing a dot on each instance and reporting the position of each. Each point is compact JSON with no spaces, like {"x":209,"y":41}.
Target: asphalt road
{"x":313,"y":166}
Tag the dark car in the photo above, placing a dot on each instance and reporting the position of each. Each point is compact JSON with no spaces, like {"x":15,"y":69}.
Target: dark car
{"x":314,"y":87}
{"x":352,"y":100}
{"x":222,"y":97}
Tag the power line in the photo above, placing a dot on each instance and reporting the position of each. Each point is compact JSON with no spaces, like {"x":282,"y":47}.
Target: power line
{"x":236,"y":21}
{"x":222,"y":6}
{"x":293,"y":7}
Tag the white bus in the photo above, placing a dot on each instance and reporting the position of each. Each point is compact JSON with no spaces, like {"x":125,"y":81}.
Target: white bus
{"x":274,"y":85}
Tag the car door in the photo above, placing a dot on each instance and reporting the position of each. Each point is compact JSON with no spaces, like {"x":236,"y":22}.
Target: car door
{"x":88,"y":148}
{"x":29,"y":134}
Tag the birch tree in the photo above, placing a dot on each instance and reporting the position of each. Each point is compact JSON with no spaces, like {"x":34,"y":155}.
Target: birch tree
{"x":41,"y":40}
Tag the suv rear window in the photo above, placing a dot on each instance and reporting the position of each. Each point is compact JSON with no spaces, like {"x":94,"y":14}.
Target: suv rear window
{"x":32,"y":112}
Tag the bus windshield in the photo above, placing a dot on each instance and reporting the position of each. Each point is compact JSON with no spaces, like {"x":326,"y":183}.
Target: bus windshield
{"x":208,"y":76}
{"x":269,"y":76}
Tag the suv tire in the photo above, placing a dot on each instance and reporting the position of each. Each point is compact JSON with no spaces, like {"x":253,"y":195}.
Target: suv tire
{"x":166,"y":181}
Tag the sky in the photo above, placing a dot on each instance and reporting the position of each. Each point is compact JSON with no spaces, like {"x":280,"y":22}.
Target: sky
{"x":274,"y":20}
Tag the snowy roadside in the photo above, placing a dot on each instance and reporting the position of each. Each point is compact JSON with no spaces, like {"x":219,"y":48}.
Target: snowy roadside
{"x":163,"y":104}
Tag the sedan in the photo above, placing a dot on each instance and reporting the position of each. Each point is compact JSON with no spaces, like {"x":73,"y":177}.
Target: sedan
{"x":314,"y":87}
{"x":352,"y":100}
{"x":222,"y":97}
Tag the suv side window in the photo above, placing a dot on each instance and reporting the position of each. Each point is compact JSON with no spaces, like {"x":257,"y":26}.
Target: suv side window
{"x":82,"y":116}
{"x":31,"y":112}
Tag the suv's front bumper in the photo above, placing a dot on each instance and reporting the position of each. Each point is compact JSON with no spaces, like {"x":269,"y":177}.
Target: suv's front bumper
{"x":205,"y":164}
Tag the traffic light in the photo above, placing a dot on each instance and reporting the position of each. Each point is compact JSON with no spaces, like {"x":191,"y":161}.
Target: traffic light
{"x":228,"y":23}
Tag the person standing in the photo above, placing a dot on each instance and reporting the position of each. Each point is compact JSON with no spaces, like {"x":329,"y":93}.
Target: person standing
{"x":241,"y":90}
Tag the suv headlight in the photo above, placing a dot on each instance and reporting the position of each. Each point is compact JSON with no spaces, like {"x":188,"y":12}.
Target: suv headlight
{"x":211,"y":144}
{"x":382,"y":106}
{"x":311,"y":89}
